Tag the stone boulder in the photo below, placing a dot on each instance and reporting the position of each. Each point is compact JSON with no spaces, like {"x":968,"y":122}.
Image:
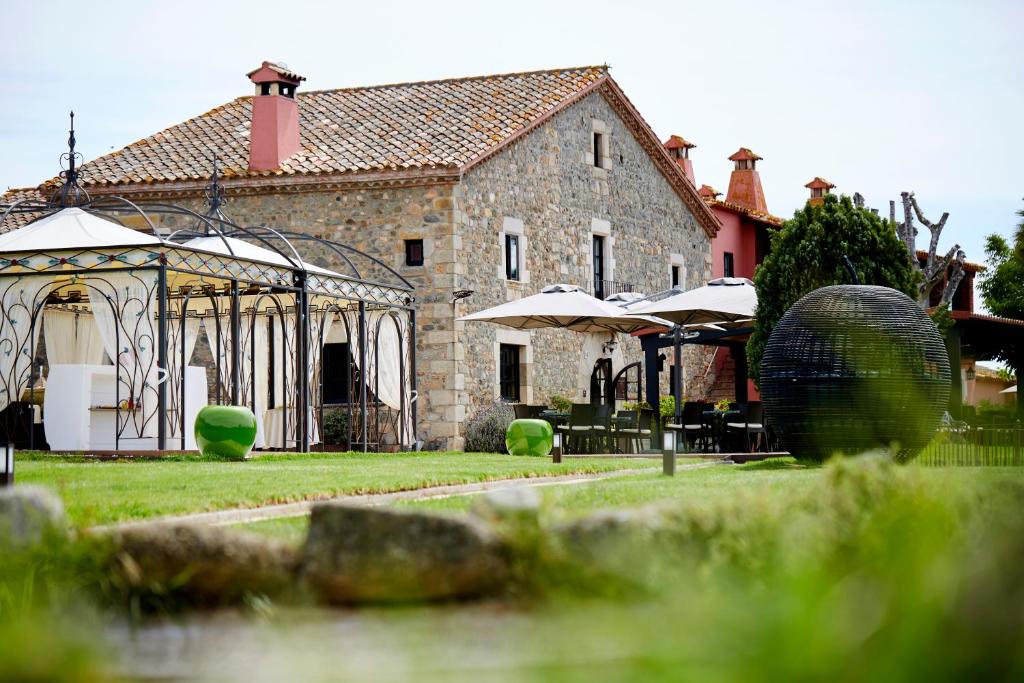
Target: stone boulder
{"x":201,"y":564}
{"x":362,"y":554}
{"x":518,"y":506}
{"x":28,"y":513}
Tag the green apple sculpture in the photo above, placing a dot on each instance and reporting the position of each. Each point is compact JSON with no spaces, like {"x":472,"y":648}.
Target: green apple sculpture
{"x":529,"y":437}
{"x":225,"y":431}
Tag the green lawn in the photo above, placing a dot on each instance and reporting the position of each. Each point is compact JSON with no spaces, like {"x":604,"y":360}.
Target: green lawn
{"x":854,"y":571}
{"x":776,"y":478}
{"x":105,"y":492}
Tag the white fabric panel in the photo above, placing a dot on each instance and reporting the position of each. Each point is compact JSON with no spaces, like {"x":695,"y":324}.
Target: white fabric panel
{"x":383,"y":362}
{"x":388,"y":364}
{"x":20,"y":298}
{"x":262,"y":382}
{"x":321,"y":323}
{"x":130,"y":324}
{"x":72,"y":338}
{"x":73,"y":228}
{"x":174,"y":368}
{"x":221,"y":352}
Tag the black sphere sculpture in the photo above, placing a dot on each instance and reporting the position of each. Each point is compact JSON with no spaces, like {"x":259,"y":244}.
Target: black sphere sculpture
{"x":854,"y":367}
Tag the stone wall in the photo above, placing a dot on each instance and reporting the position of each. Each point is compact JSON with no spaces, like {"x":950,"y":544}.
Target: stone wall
{"x":547,"y":187}
{"x":378,"y":221}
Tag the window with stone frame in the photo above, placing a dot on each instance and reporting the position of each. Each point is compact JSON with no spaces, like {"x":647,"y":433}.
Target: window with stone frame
{"x":600,"y":153}
{"x":512,"y":257}
{"x":414,"y":252}
{"x":513,"y":242}
{"x":509,"y":375}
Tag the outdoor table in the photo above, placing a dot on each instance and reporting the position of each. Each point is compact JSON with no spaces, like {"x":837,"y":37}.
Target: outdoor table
{"x":717,"y":419}
{"x":554,"y":415}
{"x":620,"y":422}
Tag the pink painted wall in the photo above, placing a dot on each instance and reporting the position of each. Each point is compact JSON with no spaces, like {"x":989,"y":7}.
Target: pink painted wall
{"x":738,"y":237}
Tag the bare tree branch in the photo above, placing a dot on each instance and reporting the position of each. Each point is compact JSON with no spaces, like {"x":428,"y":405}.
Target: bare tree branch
{"x":937,"y":268}
{"x":956,"y":274}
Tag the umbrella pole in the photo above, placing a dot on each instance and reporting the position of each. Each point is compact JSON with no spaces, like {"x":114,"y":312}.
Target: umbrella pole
{"x":677,"y":393}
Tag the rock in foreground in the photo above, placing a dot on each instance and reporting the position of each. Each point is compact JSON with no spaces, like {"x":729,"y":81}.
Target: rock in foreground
{"x":201,"y":564}
{"x":27,"y":513}
{"x":362,"y":554}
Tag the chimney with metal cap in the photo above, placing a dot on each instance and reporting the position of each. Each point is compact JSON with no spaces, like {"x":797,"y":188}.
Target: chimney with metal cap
{"x":274,"y":135}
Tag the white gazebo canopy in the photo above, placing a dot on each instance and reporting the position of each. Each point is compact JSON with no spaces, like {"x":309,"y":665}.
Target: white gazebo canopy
{"x":252,"y":252}
{"x":564,"y":306}
{"x":73,"y":228}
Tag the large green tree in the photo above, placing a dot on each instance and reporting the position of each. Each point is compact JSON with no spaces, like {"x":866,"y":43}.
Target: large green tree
{"x":807,"y":253}
{"x":1002,"y":288}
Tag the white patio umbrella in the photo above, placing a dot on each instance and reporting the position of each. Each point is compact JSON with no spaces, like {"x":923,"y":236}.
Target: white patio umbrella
{"x":724,"y":300}
{"x":568,"y":307}
{"x":1009,"y":390}
{"x":724,"y":303}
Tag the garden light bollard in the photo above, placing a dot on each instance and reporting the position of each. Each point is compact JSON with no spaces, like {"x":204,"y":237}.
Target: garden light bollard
{"x":7,"y":466}
{"x":668,"y":453}
{"x":556,"y":447}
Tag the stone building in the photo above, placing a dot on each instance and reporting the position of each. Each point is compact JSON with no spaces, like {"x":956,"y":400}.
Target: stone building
{"x":496,"y":184}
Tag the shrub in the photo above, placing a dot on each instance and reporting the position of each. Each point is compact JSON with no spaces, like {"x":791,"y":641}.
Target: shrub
{"x":667,"y":407}
{"x":485,"y":430}
{"x":561,"y":403}
{"x":335,"y":426}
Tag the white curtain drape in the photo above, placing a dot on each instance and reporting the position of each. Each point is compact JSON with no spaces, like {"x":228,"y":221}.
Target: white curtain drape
{"x":262,"y":382}
{"x":385,"y":345}
{"x":175,"y":368}
{"x":122,"y":306}
{"x":221,"y":352}
{"x":19,"y":297}
{"x":72,"y":338}
{"x":321,"y":323}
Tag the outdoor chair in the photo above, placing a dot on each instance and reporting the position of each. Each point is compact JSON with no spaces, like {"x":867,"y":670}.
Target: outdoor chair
{"x":577,"y":430}
{"x":533,"y":412}
{"x":521,"y":410}
{"x":641,"y":429}
{"x":694,"y":428}
{"x":600,"y":427}
{"x":751,"y":424}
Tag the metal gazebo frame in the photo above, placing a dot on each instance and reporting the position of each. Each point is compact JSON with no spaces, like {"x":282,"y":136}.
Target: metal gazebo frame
{"x":283,"y":287}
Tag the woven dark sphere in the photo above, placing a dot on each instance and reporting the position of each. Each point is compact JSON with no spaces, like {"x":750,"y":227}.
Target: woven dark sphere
{"x":854,"y":367}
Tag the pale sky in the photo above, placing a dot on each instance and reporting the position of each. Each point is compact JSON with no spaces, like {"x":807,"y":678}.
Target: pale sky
{"x":878,"y":97}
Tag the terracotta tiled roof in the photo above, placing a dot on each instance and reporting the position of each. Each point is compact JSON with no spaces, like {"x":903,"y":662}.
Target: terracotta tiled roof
{"x":922,"y":255}
{"x":16,"y":220}
{"x":425,"y":125}
{"x":708,"y":192}
{"x":966,"y":315}
{"x":744,"y":154}
{"x":387,"y":132}
{"x":819,"y":183}
{"x":677,"y":142}
{"x":762,"y":216}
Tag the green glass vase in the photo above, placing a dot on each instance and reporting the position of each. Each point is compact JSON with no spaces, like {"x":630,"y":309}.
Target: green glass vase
{"x":227,"y":432}
{"x":529,"y":437}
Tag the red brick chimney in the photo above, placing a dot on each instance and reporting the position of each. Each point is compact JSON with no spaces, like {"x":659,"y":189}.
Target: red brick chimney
{"x":819,"y":187}
{"x":274,"y":135}
{"x":679,"y":149}
{"x":745,"y":184}
{"x":708,"y":193}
